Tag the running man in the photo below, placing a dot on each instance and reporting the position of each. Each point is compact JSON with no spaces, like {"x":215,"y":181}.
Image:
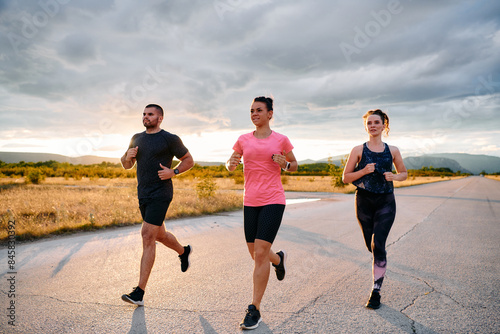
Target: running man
{"x":153,"y":151}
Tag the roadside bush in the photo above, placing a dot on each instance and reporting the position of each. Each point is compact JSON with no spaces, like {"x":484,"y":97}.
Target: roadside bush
{"x":206,"y":187}
{"x":336,"y":172}
{"x":238,"y":178}
{"x":35,"y":176}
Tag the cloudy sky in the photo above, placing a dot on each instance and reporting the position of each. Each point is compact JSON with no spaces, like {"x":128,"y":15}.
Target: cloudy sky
{"x":75,"y":75}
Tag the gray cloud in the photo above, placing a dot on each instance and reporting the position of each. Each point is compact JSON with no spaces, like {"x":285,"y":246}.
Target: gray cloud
{"x":77,"y":48}
{"x":326,"y":63}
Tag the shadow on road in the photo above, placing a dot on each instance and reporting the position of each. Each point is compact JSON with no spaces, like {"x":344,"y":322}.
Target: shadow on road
{"x":323,"y":246}
{"x":402,"y":321}
{"x":207,"y":328}
{"x":66,"y":259}
{"x":138,"y":321}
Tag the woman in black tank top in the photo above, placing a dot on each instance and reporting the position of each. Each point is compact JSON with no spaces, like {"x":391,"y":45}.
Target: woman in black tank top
{"x":369,"y":168}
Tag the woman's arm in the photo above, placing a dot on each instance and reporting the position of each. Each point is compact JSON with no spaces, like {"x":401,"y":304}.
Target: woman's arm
{"x":284,"y":159}
{"x":397,"y":159}
{"x":233,"y":161}
{"x":294,"y":165}
{"x":349,"y":175}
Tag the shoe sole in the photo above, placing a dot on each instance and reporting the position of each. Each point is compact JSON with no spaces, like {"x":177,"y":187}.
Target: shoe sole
{"x":373,"y":307}
{"x":125,"y":298}
{"x":242,"y":326}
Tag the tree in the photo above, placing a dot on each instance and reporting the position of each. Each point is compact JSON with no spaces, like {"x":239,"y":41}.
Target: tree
{"x":336,"y":172}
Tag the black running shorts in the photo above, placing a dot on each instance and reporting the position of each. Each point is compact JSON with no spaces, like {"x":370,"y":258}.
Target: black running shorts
{"x":262,"y":222}
{"x":153,"y":210}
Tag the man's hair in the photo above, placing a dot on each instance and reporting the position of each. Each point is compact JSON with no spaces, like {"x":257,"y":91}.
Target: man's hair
{"x":160,"y":109}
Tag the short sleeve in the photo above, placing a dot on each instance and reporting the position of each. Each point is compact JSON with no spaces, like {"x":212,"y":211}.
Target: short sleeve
{"x":178,"y":149}
{"x":287,"y":145}
{"x":132,"y":141}
{"x":237,"y":146}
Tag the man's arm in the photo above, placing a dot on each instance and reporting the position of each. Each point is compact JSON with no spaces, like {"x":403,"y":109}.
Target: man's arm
{"x":186,"y":164}
{"x":128,"y":159}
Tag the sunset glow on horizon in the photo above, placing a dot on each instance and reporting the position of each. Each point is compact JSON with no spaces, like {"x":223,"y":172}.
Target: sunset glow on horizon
{"x":76,"y":75}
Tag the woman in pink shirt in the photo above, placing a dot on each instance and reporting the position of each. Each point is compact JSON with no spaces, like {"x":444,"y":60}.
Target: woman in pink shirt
{"x":264,"y":153}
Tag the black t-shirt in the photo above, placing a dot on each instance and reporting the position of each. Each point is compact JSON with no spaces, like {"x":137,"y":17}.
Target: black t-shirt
{"x":154,"y":149}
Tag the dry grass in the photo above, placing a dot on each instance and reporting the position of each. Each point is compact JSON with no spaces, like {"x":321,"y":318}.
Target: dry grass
{"x":313,"y":184}
{"x":493,"y":177}
{"x":323,"y":183}
{"x":62,"y":205}
{"x":425,"y":179}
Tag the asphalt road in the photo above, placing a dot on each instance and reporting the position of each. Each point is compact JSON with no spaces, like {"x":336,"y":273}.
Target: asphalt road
{"x":443,"y":272}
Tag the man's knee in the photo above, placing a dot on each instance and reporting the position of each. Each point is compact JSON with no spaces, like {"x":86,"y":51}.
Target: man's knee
{"x":149,"y":232}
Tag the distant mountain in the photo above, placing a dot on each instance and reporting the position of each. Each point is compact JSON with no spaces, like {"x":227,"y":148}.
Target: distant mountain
{"x":336,"y":160}
{"x":466,"y":163}
{"x":307,"y":162}
{"x":210,"y":163}
{"x":436,"y":162}
{"x":476,"y":163}
{"x":15,"y":157}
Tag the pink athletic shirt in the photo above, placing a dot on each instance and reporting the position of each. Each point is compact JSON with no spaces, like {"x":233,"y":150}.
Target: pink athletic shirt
{"x":262,"y":175}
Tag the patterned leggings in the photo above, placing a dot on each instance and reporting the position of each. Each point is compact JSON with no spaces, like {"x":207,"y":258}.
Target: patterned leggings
{"x":376,"y":213}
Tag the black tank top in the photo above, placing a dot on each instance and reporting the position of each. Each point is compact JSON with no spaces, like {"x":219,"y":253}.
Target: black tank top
{"x":375,"y":182}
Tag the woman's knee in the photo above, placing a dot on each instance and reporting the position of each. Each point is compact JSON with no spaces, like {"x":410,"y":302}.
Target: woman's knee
{"x":261,"y":253}
{"x":379,"y":254}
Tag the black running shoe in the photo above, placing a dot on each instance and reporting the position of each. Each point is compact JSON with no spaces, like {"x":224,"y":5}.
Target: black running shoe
{"x":374,"y":301}
{"x":135,"y":297}
{"x":280,"y":268}
{"x":185,"y":258}
{"x":252,"y":318}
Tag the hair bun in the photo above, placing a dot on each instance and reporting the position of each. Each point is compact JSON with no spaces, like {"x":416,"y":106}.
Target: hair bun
{"x":267,"y":100}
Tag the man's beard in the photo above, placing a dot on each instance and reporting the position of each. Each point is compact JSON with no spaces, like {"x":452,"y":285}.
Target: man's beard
{"x":149,"y":125}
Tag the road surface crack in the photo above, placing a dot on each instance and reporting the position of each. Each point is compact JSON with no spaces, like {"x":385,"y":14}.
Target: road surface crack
{"x":428,"y":216}
{"x":417,"y":224}
{"x":432,"y":290}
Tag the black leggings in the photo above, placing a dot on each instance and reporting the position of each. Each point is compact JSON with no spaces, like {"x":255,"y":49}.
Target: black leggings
{"x":262,"y":222}
{"x":376,"y":213}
